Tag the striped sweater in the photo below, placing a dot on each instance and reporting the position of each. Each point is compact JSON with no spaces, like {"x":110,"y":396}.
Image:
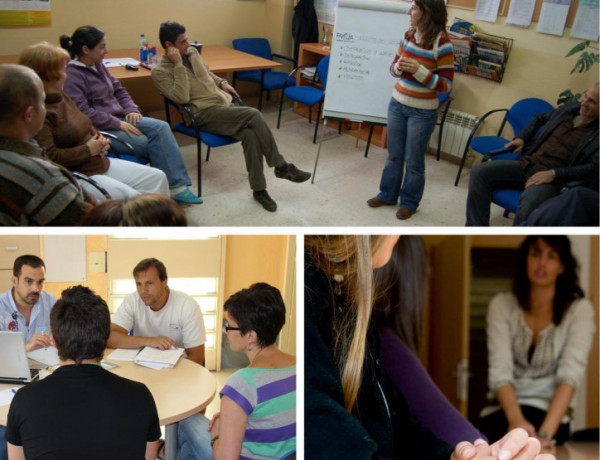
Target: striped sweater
{"x":268,"y":397}
{"x":435,"y":74}
{"x":35,"y":191}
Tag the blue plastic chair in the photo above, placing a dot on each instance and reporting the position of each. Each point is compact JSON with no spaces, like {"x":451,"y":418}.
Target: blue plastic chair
{"x":267,"y":79}
{"x":521,"y":113}
{"x":308,"y":95}
{"x":192,"y":130}
{"x":132,"y":155}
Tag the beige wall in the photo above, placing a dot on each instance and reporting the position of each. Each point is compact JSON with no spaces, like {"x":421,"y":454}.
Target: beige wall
{"x":208,"y":21}
{"x":251,"y":259}
{"x":536,"y":68}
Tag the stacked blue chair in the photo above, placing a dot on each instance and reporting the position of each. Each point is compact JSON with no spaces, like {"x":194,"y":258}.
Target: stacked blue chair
{"x":308,"y":94}
{"x":268,"y":79}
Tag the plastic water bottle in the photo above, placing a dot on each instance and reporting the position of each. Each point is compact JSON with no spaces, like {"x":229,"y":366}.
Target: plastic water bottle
{"x":143,"y":48}
{"x":152,"y":59}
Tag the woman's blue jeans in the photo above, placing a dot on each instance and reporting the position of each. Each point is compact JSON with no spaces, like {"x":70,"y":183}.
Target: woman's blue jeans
{"x":408,"y":133}
{"x":158,"y":145}
{"x":193,"y":438}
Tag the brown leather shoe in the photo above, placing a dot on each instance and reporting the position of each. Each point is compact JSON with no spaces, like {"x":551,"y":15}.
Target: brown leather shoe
{"x":377,"y":202}
{"x":404,"y":213}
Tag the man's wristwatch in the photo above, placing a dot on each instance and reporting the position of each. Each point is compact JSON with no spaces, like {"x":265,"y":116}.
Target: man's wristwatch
{"x":222,"y":82}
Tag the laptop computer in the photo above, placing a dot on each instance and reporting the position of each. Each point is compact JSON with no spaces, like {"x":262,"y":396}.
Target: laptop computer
{"x":14,"y":365}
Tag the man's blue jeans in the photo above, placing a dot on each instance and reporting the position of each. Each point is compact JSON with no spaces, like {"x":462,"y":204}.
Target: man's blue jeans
{"x":408,"y":133}
{"x":501,"y":174}
{"x":193,"y":438}
{"x":158,"y":145}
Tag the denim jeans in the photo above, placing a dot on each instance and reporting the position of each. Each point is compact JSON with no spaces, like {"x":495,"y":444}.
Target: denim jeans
{"x":193,"y":438}
{"x":157,"y":145}
{"x":3,"y":454}
{"x":505,"y":174}
{"x":408,"y":133}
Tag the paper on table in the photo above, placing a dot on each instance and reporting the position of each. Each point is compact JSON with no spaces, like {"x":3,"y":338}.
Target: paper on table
{"x":158,"y":359}
{"x":118,"y":62}
{"x":124,"y":354}
{"x":6,"y":396}
{"x":47,"y":356}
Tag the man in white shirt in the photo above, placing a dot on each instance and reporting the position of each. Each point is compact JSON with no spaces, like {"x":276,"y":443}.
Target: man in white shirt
{"x":25,"y":307}
{"x":159,"y":317}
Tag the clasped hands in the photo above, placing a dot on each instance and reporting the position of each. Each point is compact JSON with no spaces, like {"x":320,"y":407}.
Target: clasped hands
{"x":405,"y":64}
{"x":515,"y":445}
{"x":98,"y":145}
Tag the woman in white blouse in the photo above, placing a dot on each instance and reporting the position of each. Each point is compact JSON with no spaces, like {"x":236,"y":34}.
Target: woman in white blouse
{"x":539,"y":337}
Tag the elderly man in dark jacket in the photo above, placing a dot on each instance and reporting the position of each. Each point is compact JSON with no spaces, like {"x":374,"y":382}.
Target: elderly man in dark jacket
{"x":564,"y":151}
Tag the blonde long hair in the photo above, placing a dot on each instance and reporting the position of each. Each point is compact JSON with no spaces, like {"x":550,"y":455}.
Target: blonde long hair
{"x":351,"y":257}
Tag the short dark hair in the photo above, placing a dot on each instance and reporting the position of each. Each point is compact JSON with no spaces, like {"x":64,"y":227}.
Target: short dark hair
{"x":29,"y":260}
{"x":18,"y":90}
{"x":169,"y":31}
{"x":567,"y":283}
{"x":145,"y":264}
{"x":88,"y":36}
{"x":80,"y":324}
{"x":259,"y":308}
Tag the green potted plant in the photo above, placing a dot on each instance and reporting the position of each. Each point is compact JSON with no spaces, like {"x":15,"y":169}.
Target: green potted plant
{"x":585,"y":61}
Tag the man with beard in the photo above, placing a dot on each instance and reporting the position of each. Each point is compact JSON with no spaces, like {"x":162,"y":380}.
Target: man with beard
{"x":26,"y":306}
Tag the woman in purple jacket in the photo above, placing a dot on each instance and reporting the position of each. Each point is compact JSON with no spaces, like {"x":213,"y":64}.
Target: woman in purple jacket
{"x":102,"y":98}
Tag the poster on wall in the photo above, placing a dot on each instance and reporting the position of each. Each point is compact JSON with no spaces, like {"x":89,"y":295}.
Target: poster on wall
{"x":586,"y":21}
{"x":326,"y":11}
{"x":553,"y":16}
{"x":24,"y":12}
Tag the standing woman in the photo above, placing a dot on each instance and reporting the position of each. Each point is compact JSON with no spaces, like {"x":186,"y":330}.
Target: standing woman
{"x":69,"y":139}
{"x":424,"y":65}
{"x":101,"y":97}
{"x":539,"y":337}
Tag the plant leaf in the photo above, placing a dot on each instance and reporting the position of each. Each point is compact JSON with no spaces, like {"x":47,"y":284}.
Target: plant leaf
{"x":577,"y":48}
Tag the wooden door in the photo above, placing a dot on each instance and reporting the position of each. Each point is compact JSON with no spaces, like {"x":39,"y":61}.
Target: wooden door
{"x":449,"y":318}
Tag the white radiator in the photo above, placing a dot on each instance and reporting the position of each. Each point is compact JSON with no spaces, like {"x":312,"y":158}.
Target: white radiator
{"x":457,"y":128}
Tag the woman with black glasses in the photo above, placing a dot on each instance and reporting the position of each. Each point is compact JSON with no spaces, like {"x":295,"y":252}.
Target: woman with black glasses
{"x":258,"y":403}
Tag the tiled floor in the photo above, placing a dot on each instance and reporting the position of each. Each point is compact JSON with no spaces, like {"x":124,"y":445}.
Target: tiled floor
{"x":345,"y":180}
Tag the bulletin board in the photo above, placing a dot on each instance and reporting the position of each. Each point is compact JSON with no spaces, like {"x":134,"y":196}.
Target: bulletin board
{"x":504,"y":4}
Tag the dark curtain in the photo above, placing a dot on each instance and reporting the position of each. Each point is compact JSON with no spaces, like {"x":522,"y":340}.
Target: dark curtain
{"x":305,"y":28}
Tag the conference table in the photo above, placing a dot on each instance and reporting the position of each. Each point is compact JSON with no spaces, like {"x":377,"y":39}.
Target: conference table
{"x":219,"y":59}
{"x":180,"y":392}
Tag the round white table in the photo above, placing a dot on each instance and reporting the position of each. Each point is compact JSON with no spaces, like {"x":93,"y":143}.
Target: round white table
{"x":179,"y":392}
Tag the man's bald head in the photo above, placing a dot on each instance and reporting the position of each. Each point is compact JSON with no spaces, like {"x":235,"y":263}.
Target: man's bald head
{"x":20,"y":87}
